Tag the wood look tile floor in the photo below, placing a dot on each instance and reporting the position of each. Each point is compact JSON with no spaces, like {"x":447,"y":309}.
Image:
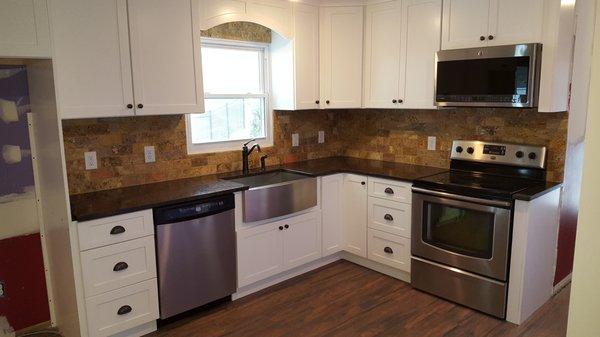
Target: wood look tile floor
{"x":344,"y":299}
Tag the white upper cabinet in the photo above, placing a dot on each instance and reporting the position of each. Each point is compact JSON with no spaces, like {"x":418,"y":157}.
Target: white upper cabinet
{"x":92,"y":63}
{"x":295,"y":62}
{"x":401,"y":38}
{"x":475,"y":23}
{"x":341,"y":49}
{"x":24,"y":29}
{"x":97,"y":68}
{"x":383,"y":31}
{"x":165,"y":56}
{"x":421,"y":22}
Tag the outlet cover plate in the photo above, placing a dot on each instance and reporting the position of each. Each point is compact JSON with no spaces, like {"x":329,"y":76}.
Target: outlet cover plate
{"x":149,"y":154}
{"x":321,"y":137}
{"x":295,"y":139}
{"x":91,"y":160}
{"x":431,"y":143}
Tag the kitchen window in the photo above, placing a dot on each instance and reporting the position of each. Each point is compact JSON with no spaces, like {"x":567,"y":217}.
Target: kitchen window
{"x":236,"y":97}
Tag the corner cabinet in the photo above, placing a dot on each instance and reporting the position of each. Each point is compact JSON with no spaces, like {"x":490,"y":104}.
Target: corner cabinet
{"x":25,"y":29}
{"x":295,"y":62}
{"x":401,"y":39}
{"x":341,"y":50}
{"x":476,"y":23}
{"x":117,"y":58}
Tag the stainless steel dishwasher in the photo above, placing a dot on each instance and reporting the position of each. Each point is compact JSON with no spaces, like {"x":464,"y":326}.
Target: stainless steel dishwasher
{"x":196,"y":253}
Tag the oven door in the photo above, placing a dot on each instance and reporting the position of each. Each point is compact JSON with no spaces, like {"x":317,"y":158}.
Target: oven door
{"x":467,"y":233}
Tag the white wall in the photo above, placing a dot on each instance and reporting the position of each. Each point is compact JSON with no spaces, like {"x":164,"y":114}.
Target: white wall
{"x":585,"y":291}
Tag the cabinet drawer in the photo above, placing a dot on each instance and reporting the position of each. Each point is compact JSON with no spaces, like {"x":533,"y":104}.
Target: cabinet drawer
{"x":122,"y":309}
{"x":114,"y":229}
{"x":111,"y":267}
{"x":389,"y":249}
{"x":389,"y":189}
{"x":390,"y":216}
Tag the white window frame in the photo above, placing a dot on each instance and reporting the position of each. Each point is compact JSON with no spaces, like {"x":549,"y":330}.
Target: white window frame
{"x":231,"y":145}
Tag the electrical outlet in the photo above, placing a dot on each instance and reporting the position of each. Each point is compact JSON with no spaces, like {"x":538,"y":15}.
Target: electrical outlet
{"x":321,"y":137}
{"x":149,"y":154}
{"x":1,"y":289}
{"x":431,"y":143}
{"x":91,"y":161}
{"x":295,"y":139}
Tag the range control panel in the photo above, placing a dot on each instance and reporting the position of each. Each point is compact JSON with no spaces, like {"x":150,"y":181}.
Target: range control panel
{"x":499,"y":153}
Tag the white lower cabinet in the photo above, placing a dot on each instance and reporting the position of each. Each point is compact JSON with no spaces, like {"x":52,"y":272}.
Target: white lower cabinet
{"x":389,"y":249}
{"x":331,"y":210}
{"x":355,"y":214}
{"x":118,"y":270}
{"x":269,"y":249}
{"x":122,"y":309}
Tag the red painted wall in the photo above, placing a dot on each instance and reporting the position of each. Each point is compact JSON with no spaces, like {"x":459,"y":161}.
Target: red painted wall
{"x":25,"y":301}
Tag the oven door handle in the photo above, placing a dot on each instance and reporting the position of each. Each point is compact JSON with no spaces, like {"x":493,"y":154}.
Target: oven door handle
{"x":463,"y":198}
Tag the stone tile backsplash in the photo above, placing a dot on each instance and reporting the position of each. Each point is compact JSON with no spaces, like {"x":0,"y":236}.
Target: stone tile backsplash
{"x":390,"y":135}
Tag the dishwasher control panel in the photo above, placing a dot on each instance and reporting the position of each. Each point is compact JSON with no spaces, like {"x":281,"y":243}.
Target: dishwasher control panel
{"x":195,"y":209}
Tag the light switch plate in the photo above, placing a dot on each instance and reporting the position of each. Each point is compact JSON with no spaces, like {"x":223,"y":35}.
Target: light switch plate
{"x":321,"y":137}
{"x":431,"y":143}
{"x":295,"y":139}
{"x":149,"y":154}
{"x":91,"y":161}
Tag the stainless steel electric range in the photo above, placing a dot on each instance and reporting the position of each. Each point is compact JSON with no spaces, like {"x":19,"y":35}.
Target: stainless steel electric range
{"x":462,"y":222}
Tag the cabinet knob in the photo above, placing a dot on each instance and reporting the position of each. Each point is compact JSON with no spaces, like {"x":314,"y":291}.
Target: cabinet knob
{"x":130,"y":106}
{"x":388,"y":190}
{"x":117,"y":230}
{"x":124,"y":310}
{"x":120,"y":266}
{"x":388,"y":217}
{"x":388,"y":250}
{"x":140,"y":106}
{"x":394,"y":101}
{"x":327,"y":102}
{"x":400,"y":100}
{"x":286,"y":226}
{"x":491,"y":37}
{"x":362,"y":183}
{"x":317,"y":102}
{"x":482,"y":38}
{"x":280,"y":228}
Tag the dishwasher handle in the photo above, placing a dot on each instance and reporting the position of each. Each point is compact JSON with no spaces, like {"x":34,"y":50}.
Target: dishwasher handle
{"x":193,"y":210}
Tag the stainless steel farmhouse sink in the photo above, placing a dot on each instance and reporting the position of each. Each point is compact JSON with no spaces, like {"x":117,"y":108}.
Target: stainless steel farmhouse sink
{"x":277,"y":193}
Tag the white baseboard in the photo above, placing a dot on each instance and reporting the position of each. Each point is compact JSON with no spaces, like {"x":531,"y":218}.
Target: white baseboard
{"x":138,"y":331}
{"x":560,"y":285}
{"x":273,"y":280}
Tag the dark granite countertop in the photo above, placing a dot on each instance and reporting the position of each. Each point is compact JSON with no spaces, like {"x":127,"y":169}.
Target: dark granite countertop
{"x":537,"y":191}
{"x":101,"y":204}
{"x":106,"y":203}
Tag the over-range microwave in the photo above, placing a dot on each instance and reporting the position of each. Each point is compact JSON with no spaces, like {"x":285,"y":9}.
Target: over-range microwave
{"x":503,"y":76}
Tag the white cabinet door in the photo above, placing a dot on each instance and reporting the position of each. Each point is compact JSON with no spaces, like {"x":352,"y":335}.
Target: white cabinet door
{"x":165,"y":53}
{"x":341,"y":49}
{"x":331,"y":213}
{"x":260,"y":253}
{"x":465,"y":22}
{"x":301,"y":239}
{"x":516,"y":21}
{"x":92,"y":63}
{"x":421,"y":20}
{"x":24,"y":28}
{"x":383,"y":56}
{"x":306,"y":56}
{"x":355,"y":214}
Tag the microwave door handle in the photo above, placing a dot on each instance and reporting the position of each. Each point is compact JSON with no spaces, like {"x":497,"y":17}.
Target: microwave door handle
{"x":463,"y":198}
